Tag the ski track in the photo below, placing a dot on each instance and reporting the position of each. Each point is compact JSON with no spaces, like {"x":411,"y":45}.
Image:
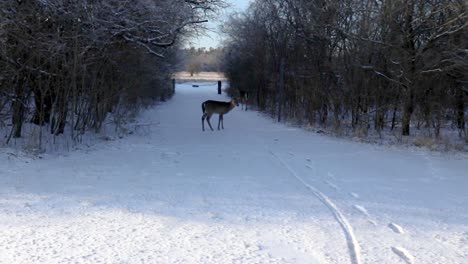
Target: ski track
{"x":353,"y":245}
{"x":403,"y":253}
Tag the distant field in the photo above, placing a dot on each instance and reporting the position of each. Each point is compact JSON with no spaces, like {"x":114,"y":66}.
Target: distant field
{"x":202,"y":76}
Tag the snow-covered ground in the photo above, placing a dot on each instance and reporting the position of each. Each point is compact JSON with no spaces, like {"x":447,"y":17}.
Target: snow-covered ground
{"x":256,"y":192}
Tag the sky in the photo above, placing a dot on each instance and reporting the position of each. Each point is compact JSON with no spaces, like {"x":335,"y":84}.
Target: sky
{"x":213,"y":38}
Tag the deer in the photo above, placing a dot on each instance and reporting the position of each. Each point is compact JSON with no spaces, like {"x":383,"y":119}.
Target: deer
{"x":244,"y":96}
{"x":211,"y":107}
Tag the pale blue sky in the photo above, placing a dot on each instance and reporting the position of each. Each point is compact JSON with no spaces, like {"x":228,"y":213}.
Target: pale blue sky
{"x":213,"y":38}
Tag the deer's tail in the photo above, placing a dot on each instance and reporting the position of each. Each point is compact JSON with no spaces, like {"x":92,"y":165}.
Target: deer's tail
{"x":203,"y":107}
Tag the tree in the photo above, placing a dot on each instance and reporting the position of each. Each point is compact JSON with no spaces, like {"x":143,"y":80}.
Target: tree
{"x":366,"y":64}
{"x":72,"y":62}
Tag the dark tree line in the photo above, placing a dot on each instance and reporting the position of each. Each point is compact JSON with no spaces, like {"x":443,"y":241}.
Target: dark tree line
{"x":201,"y":60}
{"x":362,"y":64}
{"x":67,"y":64}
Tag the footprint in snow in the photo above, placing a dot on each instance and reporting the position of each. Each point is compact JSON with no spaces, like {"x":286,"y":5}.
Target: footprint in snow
{"x":396,"y":228}
{"x":361,"y":209}
{"x":403,"y":254}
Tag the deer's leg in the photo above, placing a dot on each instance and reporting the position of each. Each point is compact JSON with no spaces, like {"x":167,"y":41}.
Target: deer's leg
{"x":203,"y":121}
{"x":220,"y":117}
{"x":208,"y":120}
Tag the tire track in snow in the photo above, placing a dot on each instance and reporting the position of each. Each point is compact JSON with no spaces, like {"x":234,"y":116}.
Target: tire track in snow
{"x":353,"y":245}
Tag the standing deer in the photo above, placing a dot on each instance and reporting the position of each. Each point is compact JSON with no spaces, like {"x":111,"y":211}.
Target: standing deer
{"x":244,"y":96}
{"x":211,"y":107}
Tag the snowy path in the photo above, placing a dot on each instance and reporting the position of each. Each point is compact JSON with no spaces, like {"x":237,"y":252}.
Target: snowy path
{"x":257,"y":192}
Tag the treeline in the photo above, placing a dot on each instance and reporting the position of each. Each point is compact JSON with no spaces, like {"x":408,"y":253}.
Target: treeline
{"x":195,"y":60}
{"x":359,"y":64}
{"x":68,"y":64}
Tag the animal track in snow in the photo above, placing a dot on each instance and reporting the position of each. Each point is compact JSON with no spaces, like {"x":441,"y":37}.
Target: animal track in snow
{"x":396,"y":228}
{"x":361,"y":209}
{"x":403,"y":254}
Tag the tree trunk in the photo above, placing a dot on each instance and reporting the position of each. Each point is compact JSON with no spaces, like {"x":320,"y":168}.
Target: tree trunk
{"x":18,"y":108}
{"x":460,"y":108}
{"x":379,"y":119}
{"x":408,"y":109}
{"x":324,"y":114}
{"x":410,"y":48}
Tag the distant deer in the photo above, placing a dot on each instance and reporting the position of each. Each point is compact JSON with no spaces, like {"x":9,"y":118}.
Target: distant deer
{"x":244,"y":96}
{"x":211,"y":107}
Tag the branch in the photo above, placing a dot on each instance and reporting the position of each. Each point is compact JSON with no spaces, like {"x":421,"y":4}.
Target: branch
{"x":450,"y":32}
{"x":383,"y":75}
{"x":150,"y":50}
{"x":432,"y":71}
{"x":175,"y":32}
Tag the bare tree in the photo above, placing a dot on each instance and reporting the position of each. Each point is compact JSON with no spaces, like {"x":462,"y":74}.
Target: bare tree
{"x":364,"y":64}
{"x":72,"y":62}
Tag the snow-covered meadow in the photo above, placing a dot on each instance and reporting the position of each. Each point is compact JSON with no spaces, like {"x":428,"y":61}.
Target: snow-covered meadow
{"x":256,"y":192}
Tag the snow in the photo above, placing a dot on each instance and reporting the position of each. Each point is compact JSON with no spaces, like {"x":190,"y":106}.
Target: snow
{"x":403,"y":254}
{"x":396,"y":228}
{"x":256,"y":192}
